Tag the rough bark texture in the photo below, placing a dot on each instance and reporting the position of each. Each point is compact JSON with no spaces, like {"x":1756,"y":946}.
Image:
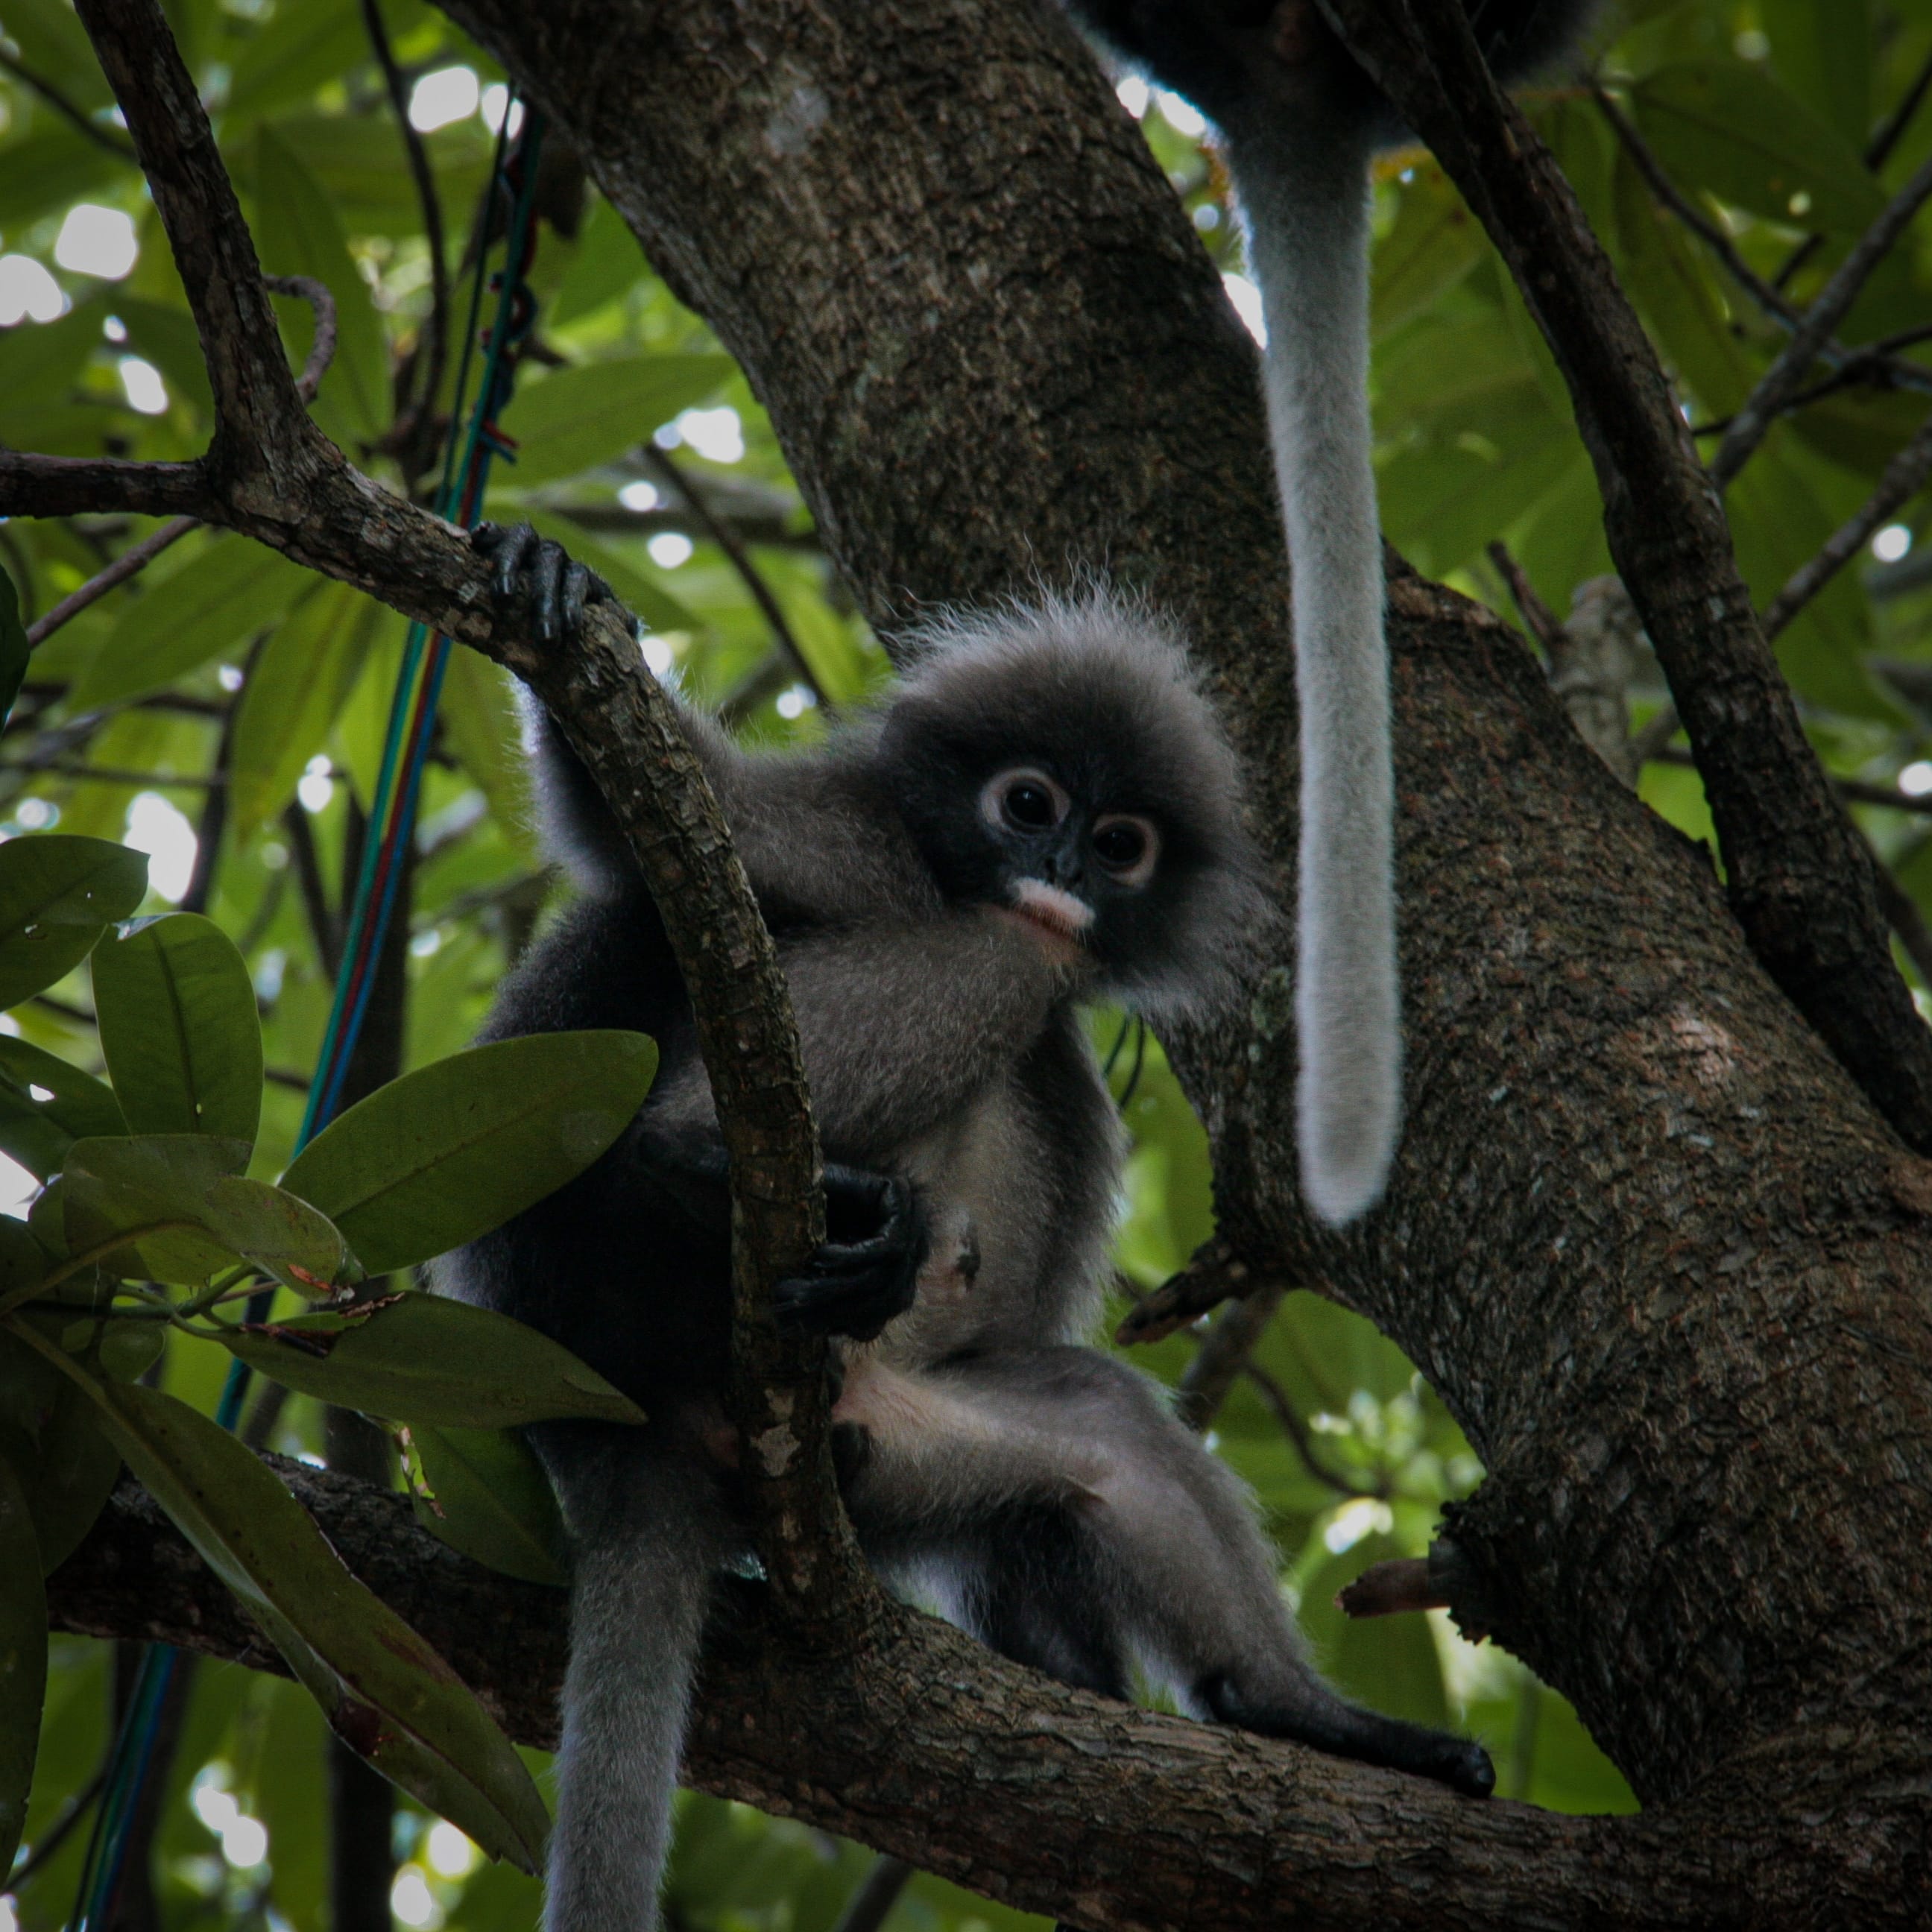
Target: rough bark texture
{"x":1651,"y":1243}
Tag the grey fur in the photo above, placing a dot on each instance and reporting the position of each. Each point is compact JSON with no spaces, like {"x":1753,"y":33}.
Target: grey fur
{"x":1039,"y":1490}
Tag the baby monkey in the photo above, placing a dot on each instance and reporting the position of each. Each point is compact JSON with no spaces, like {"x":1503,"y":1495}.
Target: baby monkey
{"x":1043,"y":813}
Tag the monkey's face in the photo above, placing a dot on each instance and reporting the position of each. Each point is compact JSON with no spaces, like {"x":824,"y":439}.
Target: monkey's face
{"x":1064,"y":863}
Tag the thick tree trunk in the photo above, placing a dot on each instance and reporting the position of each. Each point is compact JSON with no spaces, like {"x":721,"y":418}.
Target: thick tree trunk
{"x":1660,"y":1259}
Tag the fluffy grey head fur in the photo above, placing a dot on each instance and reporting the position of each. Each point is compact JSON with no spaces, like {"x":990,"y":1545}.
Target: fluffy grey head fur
{"x":1097,"y":690}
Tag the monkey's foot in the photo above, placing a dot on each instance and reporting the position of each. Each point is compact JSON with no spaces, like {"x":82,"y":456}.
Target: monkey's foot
{"x":868,"y":1271}
{"x":541,"y":576}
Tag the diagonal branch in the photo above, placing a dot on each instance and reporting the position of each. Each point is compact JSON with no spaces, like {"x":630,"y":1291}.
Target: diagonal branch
{"x":1800,"y":879}
{"x":271,"y":473}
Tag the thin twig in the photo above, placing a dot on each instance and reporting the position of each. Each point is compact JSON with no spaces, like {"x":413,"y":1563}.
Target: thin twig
{"x":1902,"y":477}
{"x":59,"y":102}
{"x":878,"y":1892}
{"x":1787,"y":374}
{"x":1878,"y":151}
{"x":1276,"y":1397}
{"x":1871,"y":363}
{"x":322,"y":925}
{"x":727,"y":540}
{"x":1214,"y":1273}
{"x":130,"y":563}
{"x":322,"y":344}
{"x":1223,"y":1353}
{"x":1902,"y":914}
{"x":77,"y":768}
{"x":1543,"y":623}
{"x":46,"y":1847}
{"x":436,"y":328}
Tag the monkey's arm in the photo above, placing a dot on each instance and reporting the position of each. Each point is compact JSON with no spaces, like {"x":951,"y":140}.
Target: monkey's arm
{"x":901,"y":1023}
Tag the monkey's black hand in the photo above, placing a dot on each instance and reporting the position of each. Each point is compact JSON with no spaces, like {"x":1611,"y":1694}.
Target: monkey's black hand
{"x":529,"y":568}
{"x":868,"y":1271}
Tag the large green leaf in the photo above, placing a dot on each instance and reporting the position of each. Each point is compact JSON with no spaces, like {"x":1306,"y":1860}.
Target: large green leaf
{"x":291,"y":56}
{"x":300,"y":233}
{"x":576,"y":418}
{"x":216,"y":598}
{"x":1728,"y":127}
{"x":56,"y":895}
{"x":1824,"y":56}
{"x":489,"y":1498}
{"x":46,"y":1105}
{"x":1389,"y":1662}
{"x":189,"y":1212}
{"x":176,"y":1010}
{"x":416,"y":1357}
{"x":446,"y":1153}
{"x":48,"y":1434}
{"x":14,"y":648}
{"x":23,"y":1659}
{"x":296,"y":686}
{"x":385,"y":1693}
{"x":1435,"y":242}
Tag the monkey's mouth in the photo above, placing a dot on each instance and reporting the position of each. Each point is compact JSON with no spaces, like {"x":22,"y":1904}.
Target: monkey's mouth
{"x":1047,"y":906}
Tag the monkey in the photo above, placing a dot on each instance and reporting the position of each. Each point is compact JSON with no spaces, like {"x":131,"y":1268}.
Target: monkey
{"x":1301,"y":122}
{"x":1044,"y":813}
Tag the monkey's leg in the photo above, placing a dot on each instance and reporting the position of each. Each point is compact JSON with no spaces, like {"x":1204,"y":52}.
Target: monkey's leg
{"x":1167,"y":1556}
{"x":648,"y":1532}
{"x":1200,"y":1593}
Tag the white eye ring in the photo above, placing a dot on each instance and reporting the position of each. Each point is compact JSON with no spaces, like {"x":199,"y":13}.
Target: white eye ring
{"x":993,"y":799}
{"x":1140,"y":869}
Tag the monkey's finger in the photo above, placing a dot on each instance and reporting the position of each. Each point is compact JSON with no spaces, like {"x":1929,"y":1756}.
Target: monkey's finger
{"x":546,"y":585}
{"x":578,"y":585}
{"x":508,"y":544}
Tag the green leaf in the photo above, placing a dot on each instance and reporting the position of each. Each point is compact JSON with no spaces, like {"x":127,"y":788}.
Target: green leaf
{"x":1727,"y":127}
{"x":423,"y":1358}
{"x":576,"y":418}
{"x":1824,"y":56}
{"x":300,"y":233}
{"x":446,"y":1153}
{"x":208,"y":1215}
{"x":296,"y":687}
{"x":489,"y":1499}
{"x":154,"y":1190}
{"x":478,"y":713}
{"x":1435,"y":242}
{"x":385,"y":1693}
{"x":37,"y":1132}
{"x":23,"y":1659}
{"x":14,"y":648}
{"x":165,"y":336}
{"x":65,"y":1467}
{"x":217,"y":597}
{"x":176,"y":1010}
{"x":57,"y":893}
{"x":297,"y":49}
{"x":41,"y":364}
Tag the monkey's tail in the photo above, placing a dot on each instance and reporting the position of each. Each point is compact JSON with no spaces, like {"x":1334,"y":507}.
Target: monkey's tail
{"x":648,"y":1533}
{"x":1304,"y":187}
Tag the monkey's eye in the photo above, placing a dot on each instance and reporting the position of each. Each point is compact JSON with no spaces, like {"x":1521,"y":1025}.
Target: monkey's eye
{"x":1025,"y":801}
{"x":1127,"y":847}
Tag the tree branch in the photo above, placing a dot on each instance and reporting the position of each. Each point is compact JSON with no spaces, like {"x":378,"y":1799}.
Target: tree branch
{"x":922,"y":1744}
{"x":271,"y":473}
{"x":1800,"y":881}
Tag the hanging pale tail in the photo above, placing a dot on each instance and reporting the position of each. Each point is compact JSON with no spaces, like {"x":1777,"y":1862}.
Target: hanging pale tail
{"x":1305,"y":194}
